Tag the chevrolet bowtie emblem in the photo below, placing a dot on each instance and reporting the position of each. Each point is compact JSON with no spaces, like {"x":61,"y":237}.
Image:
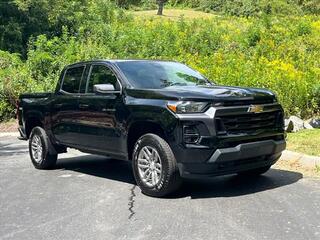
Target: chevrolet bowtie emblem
{"x":255,"y":109}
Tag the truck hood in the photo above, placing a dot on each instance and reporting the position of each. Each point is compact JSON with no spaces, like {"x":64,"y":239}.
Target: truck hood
{"x":213,"y":93}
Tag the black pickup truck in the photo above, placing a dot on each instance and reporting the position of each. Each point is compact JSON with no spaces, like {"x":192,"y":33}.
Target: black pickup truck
{"x":164,"y":117}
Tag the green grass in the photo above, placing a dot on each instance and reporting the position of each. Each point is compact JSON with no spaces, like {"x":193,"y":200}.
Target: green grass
{"x":174,"y":14}
{"x":305,"y":141}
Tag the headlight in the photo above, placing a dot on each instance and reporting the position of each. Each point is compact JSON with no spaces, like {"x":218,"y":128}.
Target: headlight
{"x":275,"y":99}
{"x":187,"y":107}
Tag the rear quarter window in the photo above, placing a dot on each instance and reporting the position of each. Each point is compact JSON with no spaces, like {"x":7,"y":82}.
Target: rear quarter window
{"x":72,"y":79}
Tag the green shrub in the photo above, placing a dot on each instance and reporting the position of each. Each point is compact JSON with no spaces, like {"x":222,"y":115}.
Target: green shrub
{"x":304,"y":28}
{"x":12,"y":83}
{"x":253,"y":7}
{"x":7,"y":110}
{"x":311,"y":6}
{"x":253,"y":36}
{"x":316,"y":96}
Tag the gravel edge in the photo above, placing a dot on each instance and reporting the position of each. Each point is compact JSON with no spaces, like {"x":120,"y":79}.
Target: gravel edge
{"x":307,"y":161}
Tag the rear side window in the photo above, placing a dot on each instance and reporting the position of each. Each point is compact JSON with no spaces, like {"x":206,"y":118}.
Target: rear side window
{"x":101,"y":74}
{"x":72,"y":79}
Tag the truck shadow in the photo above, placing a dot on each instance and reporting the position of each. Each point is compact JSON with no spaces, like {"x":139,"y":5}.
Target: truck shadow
{"x":233,"y":185}
{"x":98,"y":166}
{"x":225,"y":186}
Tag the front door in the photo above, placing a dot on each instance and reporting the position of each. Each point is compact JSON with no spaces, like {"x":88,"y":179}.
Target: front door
{"x":100,"y":123}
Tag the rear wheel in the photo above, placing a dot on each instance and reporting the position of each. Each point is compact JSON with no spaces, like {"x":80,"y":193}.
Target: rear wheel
{"x":154,"y":166}
{"x":254,"y":172}
{"x":40,"y":155}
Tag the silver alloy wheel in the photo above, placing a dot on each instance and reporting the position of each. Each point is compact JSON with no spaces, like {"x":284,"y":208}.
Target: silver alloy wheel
{"x":36,"y":148}
{"x":149,"y":166}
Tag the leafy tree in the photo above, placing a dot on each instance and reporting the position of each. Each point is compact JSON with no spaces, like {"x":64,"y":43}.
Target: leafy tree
{"x":18,"y":23}
{"x":23,"y":20}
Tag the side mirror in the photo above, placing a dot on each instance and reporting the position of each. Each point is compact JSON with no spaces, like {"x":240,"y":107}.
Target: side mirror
{"x":103,"y":88}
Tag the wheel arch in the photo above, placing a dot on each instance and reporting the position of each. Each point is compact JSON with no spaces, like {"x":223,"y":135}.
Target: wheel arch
{"x":139,"y":128}
{"x":33,"y":120}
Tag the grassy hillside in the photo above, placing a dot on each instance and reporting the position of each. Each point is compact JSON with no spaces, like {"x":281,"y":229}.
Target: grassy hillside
{"x":174,"y":14}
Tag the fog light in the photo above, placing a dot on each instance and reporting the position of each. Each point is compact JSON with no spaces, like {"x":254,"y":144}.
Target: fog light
{"x":190,"y":134}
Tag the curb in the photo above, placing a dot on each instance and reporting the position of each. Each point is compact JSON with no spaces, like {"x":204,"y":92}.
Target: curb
{"x":305,"y":160}
{"x":9,"y":134}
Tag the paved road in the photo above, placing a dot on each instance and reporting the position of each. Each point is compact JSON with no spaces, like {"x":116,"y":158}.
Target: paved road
{"x":90,"y":197}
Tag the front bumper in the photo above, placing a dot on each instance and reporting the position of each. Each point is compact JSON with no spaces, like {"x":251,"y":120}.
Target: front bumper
{"x":230,"y":160}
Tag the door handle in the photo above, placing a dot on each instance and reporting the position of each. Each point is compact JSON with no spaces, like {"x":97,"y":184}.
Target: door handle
{"x":58,"y":105}
{"x":83,"y":106}
{"x":108,"y":110}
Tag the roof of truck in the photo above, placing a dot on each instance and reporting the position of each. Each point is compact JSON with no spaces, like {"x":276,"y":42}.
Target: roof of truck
{"x":119,"y":60}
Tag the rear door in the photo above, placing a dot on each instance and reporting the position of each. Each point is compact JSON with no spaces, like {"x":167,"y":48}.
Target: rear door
{"x":65,"y":106}
{"x":100,"y":127}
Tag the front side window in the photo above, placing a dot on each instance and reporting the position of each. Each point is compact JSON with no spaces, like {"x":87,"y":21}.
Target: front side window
{"x":101,"y":74}
{"x":72,"y":79}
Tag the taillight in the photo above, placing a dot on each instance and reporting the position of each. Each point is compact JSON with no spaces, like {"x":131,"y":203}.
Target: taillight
{"x":17,"y":108}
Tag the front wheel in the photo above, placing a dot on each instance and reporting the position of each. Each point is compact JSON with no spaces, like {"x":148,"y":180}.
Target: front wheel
{"x":40,"y":155}
{"x":154,"y":166}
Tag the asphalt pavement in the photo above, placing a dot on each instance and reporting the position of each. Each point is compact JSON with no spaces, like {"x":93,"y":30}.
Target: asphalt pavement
{"x":92,"y":197}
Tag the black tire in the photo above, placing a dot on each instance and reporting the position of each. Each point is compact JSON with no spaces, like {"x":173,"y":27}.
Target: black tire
{"x":46,"y":159}
{"x":254,"y":172}
{"x":169,"y":180}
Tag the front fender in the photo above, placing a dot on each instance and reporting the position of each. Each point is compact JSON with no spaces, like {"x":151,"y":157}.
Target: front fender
{"x":153,"y":111}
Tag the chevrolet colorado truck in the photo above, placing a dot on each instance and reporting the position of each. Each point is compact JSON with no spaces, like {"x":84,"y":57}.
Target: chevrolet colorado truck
{"x":164,"y":117}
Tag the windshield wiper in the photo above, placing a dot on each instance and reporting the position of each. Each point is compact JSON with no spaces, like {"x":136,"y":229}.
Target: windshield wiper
{"x":177,"y":84}
{"x":167,"y":83}
{"x":202,"y":82}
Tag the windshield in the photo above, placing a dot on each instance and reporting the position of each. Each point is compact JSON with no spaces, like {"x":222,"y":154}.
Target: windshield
{"x":156,"y":75}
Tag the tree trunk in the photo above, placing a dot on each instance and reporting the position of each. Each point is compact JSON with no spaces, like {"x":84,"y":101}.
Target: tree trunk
{"x":160,"y":9}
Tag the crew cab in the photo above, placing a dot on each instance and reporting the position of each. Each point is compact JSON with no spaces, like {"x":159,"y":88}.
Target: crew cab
{"x":166,"y":118}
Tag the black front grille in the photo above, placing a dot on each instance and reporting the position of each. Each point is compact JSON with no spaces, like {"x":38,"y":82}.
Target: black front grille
{"x":248,"y":102}
{"x":244,"y":123}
